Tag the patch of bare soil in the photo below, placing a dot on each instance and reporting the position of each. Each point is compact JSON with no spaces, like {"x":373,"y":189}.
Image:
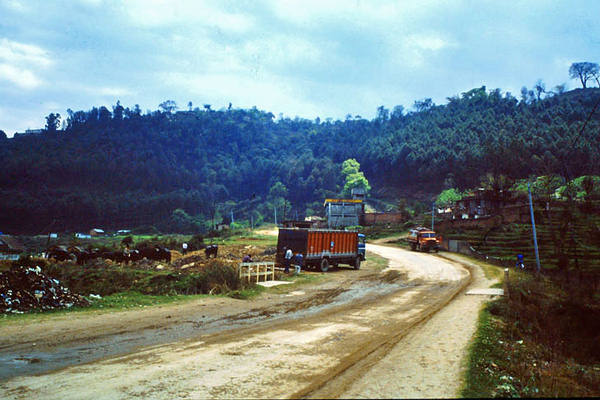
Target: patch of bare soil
{"x":328,"y":348}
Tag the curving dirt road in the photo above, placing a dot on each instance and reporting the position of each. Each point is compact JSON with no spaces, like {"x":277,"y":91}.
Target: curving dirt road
{"x":364,"y":333}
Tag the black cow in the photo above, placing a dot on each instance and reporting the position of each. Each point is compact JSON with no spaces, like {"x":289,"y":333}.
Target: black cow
{"x":211,"y":250}
{"x":155,"y":253}
{"x":60,"y":253}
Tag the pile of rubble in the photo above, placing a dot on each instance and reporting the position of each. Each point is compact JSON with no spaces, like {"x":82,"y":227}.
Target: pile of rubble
{"x":26,"y":288}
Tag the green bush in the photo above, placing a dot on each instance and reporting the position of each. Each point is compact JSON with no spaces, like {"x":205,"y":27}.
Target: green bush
{"x":103,"y":279}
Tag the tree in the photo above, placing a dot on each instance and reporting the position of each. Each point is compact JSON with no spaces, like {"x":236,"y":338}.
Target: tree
{"x":118,"y":111}
{"x":2,"y":135}
{"x":190,"y":105}
{"x":354,"y":178}
{"x":448,"y":197}
{"x":398,"y":112}
{"x":540,"y":87}
{"x":52,"y":122}
{"x":168,"y":106}
{"x":423,"y":105}
{"x":560,"y":89}
{"x":584,"y":71}
{"x":382,"y":114}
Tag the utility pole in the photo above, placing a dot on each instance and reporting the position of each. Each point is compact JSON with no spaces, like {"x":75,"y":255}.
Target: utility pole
{"x":535,"y":244}
{"x":275,"y":210}
{"x":232,"y":217}
{"x":432,"y":214}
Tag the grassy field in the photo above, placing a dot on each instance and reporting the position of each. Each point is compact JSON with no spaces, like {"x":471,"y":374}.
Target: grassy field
{"x":122,"y":287}
{"x":542,"y":341}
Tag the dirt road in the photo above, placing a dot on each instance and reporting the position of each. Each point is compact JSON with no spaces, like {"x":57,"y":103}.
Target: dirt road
{"x":345,"y":337}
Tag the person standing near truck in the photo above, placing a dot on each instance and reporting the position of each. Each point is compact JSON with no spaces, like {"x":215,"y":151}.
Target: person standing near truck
{"x":288,"y":260}
{"x":298,"y":260}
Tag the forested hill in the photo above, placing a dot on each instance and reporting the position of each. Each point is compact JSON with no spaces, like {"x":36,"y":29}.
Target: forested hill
{"x":175,"y":171}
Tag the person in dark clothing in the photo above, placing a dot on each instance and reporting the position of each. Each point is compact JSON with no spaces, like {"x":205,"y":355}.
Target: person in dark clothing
{"x":298,"y":261}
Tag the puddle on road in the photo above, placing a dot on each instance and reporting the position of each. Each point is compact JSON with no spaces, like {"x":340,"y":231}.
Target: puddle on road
{"x":36,"y":362}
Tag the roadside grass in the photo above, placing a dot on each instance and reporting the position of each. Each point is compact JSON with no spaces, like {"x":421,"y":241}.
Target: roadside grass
{"x":542,"y":341}
{"x":383,"y":231}
{"x":114,"y":302}
{"x":483,"y":372}
{"x":247,"y":293}
{"x":251,"y":238}
{"x":376,"y":262}
{"x":490,"y":271}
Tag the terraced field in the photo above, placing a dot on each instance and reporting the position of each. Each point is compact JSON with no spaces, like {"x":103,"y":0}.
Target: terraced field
{"x":580,"y":241}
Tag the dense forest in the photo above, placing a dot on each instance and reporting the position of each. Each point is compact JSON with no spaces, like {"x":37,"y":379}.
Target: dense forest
{"x":172,"y":170}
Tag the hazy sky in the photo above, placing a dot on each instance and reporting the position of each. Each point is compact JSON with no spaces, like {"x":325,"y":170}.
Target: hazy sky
{"x":303,"y":58}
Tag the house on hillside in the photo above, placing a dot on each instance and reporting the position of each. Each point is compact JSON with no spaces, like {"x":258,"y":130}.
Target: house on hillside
{"x":343,"y":212}
{"x":97,"y":232}
{"x":482,"y":203}
{"x":10,"y":248}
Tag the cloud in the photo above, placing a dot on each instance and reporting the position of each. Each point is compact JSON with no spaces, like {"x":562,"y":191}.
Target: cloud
{"x":371,"y":13}
{"x":14,"y":5}
{"x":21,"y":53}
{"x":274,"y":94}
{"x":18,"y":62}
{"x":161,"y":13}
{"x":23,"y":78}
{"x":429,"y":42}
{"x":111,"y":91}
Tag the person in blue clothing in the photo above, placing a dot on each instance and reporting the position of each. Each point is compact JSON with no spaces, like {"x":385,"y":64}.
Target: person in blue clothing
{"x":520,"y":261}
{"x":298,"y":260}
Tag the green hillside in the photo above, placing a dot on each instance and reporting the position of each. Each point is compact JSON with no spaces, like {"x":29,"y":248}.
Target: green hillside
{"x":181,"y":171}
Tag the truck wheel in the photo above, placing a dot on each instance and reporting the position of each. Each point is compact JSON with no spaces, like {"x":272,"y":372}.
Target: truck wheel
{"x":324,"y":265}
{"x":357,"y":263}
{"x":413,"y":246}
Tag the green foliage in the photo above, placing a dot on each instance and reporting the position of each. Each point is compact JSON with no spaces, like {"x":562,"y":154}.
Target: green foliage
{"x":448,"y":197}
{"x":354,"y":178}
{"x":545,"y":186}
{"x":122,"y":169}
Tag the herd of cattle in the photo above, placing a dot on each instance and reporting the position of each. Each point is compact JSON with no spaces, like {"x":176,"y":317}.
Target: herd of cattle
{"x":81,"y":255}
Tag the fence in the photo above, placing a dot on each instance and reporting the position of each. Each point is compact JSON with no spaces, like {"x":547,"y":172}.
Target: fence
{"x":258,"y":270}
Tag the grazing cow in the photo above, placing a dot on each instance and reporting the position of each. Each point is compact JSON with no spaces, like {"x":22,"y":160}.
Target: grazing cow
{"x":116,"y":256}
{"x":80,"y":253}
{"x":211,"y":250}
{"x":155,"y":253}
{"x":60,"y":253}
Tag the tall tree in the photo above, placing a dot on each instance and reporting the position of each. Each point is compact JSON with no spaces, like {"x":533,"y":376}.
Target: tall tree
{"x":540,"y":87}
{"x":584,"y":71}
{"x":354,"y":178}
{"x":168,"y":106}
{"x":52,"y":122}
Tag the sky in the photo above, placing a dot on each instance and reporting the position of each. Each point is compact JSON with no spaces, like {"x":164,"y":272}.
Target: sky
{"x":305,"y":58}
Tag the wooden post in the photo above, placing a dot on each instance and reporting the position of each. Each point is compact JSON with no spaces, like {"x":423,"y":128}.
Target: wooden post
{"x":506,"y":283}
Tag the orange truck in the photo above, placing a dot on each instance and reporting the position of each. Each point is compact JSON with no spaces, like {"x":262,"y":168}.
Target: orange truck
{"x":424,"y":239}
{"x":321,"y":248}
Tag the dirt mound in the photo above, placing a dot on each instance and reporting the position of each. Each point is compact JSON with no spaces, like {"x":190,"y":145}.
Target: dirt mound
{"x":231,"y":254}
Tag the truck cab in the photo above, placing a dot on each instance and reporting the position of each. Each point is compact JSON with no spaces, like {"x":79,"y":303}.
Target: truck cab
{"x":423,"y":239}
{"x":362,"y":248}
